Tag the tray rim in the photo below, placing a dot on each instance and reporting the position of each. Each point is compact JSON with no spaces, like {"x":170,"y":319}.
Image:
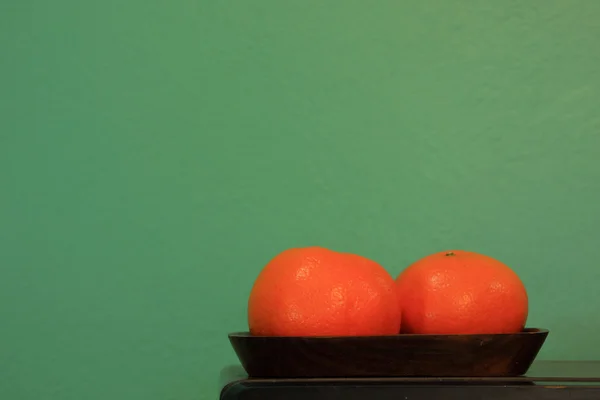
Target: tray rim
{"x":525,"y":332}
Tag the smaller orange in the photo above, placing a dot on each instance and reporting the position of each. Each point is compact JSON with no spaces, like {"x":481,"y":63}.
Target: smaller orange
{"x":461,"y":292}
{"x":314,"y":291}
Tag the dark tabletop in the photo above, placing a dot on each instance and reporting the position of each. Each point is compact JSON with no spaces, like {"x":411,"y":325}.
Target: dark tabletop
{"x":545,"y":380}
{"x":540,"y":371}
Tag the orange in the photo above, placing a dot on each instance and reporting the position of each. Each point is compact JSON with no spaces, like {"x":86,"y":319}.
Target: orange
{"x":314,"y":291}
{"x":461,"y":292}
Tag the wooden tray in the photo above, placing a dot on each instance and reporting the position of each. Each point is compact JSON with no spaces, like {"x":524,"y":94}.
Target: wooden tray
{"x":501,"y":355}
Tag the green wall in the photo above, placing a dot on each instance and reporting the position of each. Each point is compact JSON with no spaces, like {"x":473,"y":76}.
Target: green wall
{"x":155,"y":154}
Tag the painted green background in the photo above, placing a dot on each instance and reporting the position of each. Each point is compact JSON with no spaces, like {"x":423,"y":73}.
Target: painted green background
{"x":155,"y":154}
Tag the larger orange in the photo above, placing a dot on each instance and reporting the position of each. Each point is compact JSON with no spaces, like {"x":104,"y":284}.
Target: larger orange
{"x":314,"y":291}
{"x":461,"y":292}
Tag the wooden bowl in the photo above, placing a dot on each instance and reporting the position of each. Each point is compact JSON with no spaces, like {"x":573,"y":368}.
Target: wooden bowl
{"x":498,"y":355}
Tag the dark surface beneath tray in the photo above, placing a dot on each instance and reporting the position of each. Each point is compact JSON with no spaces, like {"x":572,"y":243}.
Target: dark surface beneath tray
{"x":545,"y":380}
{"x":541,"y":372}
